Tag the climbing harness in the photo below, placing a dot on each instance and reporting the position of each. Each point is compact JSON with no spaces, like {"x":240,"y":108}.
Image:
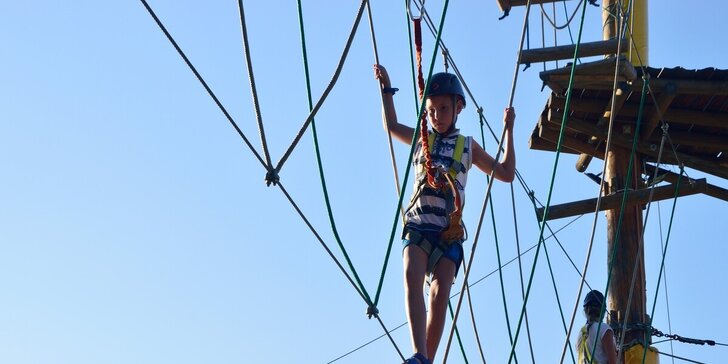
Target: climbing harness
{"x":454,"y":230}
{"x":584,"y":354}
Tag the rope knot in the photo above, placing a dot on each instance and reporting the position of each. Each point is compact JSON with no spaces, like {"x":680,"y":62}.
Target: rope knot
{"x":372,"y":311}
{"x":665,"y":127}
{"x":272,"y":177}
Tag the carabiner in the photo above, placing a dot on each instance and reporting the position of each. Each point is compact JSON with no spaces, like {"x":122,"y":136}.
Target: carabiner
{"x":409,"y":10}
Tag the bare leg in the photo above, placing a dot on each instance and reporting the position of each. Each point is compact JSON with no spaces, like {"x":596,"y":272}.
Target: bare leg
{"x":442,"y":279}
{"x":415,"y":268}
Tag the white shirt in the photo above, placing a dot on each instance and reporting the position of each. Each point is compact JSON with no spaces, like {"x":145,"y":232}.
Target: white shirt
{"x":599,"y":355}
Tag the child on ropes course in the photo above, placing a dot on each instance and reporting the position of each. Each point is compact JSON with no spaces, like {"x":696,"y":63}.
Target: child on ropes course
{"x":606,"y":348}
{"x":433,"y":233}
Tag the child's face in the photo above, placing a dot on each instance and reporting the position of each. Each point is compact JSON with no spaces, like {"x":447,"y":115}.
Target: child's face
{"x":441,"y":111}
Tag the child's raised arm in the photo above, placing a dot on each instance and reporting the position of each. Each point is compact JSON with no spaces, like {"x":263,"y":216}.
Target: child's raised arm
{"x":505,"y":170}
{"x":400,"y":132}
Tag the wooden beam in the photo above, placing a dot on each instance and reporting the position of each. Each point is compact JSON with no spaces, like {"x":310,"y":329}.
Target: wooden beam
{"x":672,"y":177}
{"x":559,"y":82}
{"x":708,"y":142}
{"x":538,"y":143}
{"x":506,"y":5}
{"x":602,"y":70}
{"x":614,"y":201}
{"x":645,"y":149}
{"x":551,"y":135}
{"x":620,"y":97}
{"x":581,"y":105}
{"x":674,"y":115}
{"x":663,"y":103}
{"x":588,"y":49}
{"x":700,"y":118}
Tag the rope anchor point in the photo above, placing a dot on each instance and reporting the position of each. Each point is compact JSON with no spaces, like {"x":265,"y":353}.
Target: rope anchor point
{"x":272,"y":177}
{"x":372,"y":311}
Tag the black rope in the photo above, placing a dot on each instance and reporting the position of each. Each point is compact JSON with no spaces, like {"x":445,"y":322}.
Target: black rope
{"x":270,"y":176}
{"x":341,"y":267}
{"x":204,"y":84}
{"x":362,"y":346}
{"x":328,"y":89}
{"x":471,"y":285}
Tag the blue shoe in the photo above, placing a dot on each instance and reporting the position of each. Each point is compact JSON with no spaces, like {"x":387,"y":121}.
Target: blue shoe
{"x":417,"y":359}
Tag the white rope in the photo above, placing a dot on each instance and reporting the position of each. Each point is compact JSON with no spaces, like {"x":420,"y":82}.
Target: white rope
{"x":598,"y":203}
{"x":384,"y":116}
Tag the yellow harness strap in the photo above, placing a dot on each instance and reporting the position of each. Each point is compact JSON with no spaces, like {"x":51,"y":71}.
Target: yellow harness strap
{"x":584,"y":353}
{"x":456,"y":156}
{"x":455,"y":230}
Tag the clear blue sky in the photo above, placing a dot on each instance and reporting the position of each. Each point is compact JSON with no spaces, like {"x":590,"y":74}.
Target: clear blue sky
{"x":135,"y":225}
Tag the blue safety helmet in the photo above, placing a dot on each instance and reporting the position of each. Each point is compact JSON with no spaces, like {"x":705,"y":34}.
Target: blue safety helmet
{"x":444,"y":83}
{"x":594,"y":298}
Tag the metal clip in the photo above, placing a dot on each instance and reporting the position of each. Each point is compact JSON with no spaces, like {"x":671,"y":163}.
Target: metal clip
{"x":411,"y":14}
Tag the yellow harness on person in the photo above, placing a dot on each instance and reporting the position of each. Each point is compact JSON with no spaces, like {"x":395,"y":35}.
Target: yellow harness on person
{"x":457,"y":155}
{"x":584,"y":350}
{"x":454,"y":229}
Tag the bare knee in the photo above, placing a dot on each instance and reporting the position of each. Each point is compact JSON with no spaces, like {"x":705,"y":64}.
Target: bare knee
{"x":442,"y":279}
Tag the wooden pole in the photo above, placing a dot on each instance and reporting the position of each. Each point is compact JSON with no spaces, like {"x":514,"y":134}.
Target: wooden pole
{"x":623,"y":238}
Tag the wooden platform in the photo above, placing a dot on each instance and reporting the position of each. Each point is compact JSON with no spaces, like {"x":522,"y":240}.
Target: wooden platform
{"x":506,"y":5}
{"x":693,"y":103}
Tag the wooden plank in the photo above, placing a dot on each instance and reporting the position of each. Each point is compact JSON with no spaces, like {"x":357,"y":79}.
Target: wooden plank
{"x":643,"y":148}
{"x":653,"y":116}
{"x":581,"y":105}
{"x":538,"y":143}
{"x":620,"y":97}
{"x":604,"y":82}
{"x":672,"y":177}
{"x":614,"y":201}
{"x":673,"y":115}
{"x":588,"y":49}
{"x":705,"y":142}
{"x":576,"y":145}
{"x":602,"y":69}
{"x":505,"y":5}
{"x":699,"y":118}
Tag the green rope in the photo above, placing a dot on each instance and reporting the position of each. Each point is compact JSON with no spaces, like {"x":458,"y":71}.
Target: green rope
{"x":520,"y":270}
{"x":457,"y":333}
{"x":497,"y":248}
{"x":553,"y":279}
{"x":623,"y":204}
{"x":558,"y":300}
{"x":664,"y":252}
{"x":320,"y":164}
{"x":500,"y":270}
{"x":526,"y":189}
{"x":409,"y":160}
{"x":553,"y":178}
